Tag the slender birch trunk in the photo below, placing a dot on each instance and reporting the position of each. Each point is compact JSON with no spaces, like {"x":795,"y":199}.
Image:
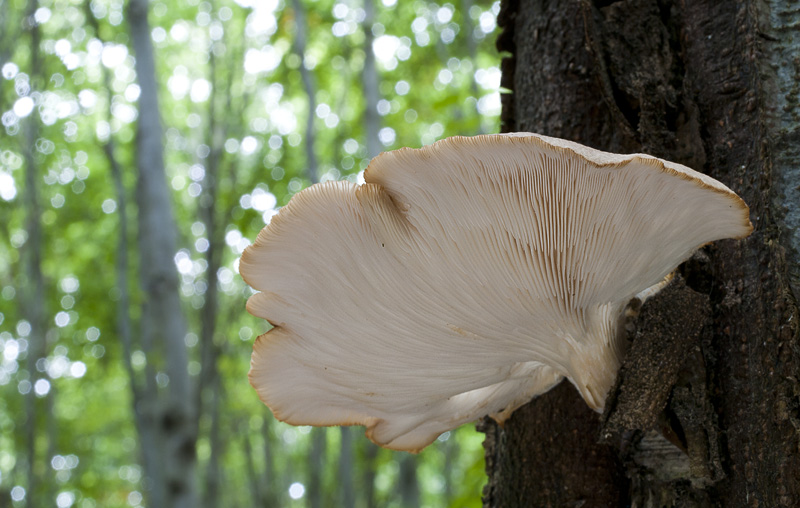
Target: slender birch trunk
{"x":369,"y":82}
{"x":33,"y":296}
{"x":300,"y":37}
{"x":162,"y":321}
{"x":210,"y":384}
{"x":316,"y":468}
{"x":408,"y":484}
{"x":140,"y":395}
{"x":468,"y":28}
{"x":346,"y":490}
{"x":269,"y":483}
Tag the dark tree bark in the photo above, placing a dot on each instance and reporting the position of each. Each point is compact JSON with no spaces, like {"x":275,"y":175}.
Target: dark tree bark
{"x":706,"y":410}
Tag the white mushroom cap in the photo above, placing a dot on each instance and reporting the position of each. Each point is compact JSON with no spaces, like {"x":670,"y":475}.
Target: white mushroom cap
{"x":464,"y":278}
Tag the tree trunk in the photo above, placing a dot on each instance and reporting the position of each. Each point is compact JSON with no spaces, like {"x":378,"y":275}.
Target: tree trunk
{"x":300,"y":37}
{"x":163,"y":328}
{"x":33,"y":295}
{"x":472,"y":45}
{"x":124,"y":325}
{"x":706,"y":409}
{"x":316,"y":467}
{"x":209,"y":383}
{"x":344,"y":476}
{"x":269,"y":480}
{"x":369,"y":457}
{"x":369,"y":83}
{"x":407,"y":483}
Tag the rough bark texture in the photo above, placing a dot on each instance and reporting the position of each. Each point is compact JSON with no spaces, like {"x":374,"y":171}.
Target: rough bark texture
{"x":706,"y":411}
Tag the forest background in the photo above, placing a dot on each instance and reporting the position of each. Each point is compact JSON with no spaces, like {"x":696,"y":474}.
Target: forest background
{"x":239,"y":105}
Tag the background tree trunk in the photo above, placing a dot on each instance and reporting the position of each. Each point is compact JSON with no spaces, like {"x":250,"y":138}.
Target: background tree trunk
{"x":33,"y":294}
{"x":370,"y":79}
{"x":163,"y":327}
{"x":706,"y":410}
{"x":300,"y":37}
{"x":346,"y":488}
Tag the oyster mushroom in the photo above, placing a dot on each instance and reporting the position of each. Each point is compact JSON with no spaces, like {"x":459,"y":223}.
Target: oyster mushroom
{"x":466,"y":277}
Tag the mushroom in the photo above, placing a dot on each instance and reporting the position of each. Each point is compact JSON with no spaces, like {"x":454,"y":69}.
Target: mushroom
{"x":466,"y":277}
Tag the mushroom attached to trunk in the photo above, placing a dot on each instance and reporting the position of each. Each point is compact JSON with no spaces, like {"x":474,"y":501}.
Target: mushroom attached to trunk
{"x":466,"y":277}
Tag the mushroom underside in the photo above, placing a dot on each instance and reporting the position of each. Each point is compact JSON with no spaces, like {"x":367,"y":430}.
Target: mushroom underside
{"x":463,"y":280}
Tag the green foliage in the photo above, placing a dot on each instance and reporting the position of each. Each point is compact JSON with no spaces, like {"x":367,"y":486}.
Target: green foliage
{"x":232,"y":101}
